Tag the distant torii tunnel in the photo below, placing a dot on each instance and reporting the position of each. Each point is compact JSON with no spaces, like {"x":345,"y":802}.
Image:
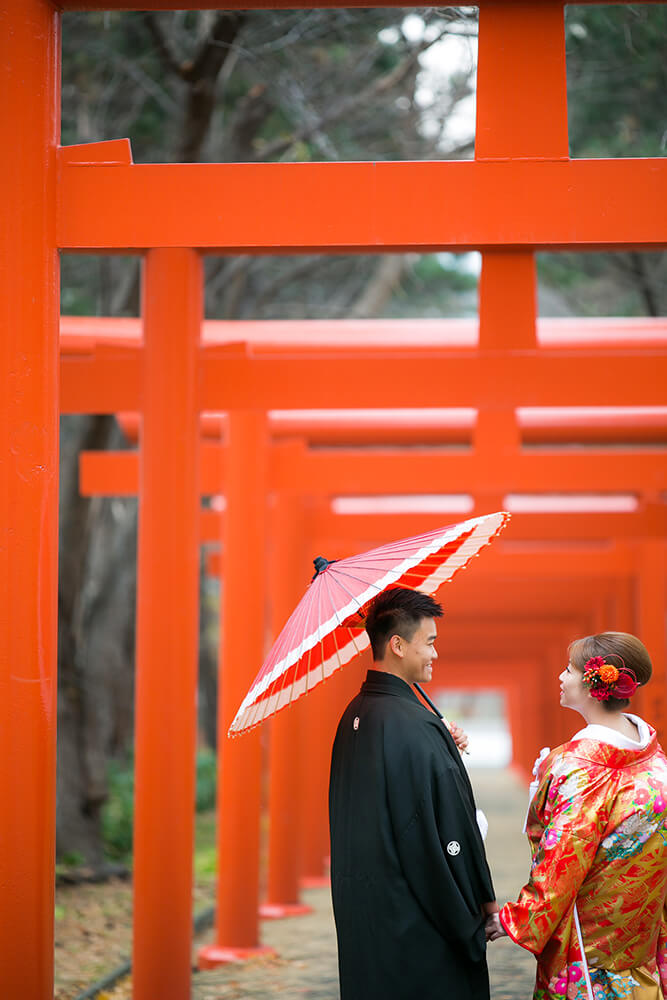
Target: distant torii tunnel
{"x":522,"y":193}
{"x":503,"y":456}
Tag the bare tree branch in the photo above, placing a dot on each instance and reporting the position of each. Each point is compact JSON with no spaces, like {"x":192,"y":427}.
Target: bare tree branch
{"x":133,"y":69}
{"x":202,"y":76}
{"x":253,"y":111}
{"x":344,"y":107}
{"x":379,"y":289}
{"x":214,"y":50}
{"x":164,"y":51}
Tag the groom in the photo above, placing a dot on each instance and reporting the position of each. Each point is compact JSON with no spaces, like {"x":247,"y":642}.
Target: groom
{"x":410,"y":884}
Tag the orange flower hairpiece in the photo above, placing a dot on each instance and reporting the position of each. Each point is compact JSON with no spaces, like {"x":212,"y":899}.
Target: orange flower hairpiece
{"x":607,"y":681}
{"x":608,"y":673}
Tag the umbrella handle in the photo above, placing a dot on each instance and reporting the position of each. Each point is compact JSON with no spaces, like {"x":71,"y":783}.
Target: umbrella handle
{"x":435,"y":709}
{"x":431,"y":703}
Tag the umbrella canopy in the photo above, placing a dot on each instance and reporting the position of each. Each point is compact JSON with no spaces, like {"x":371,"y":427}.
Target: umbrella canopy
{"x":326,"y":629}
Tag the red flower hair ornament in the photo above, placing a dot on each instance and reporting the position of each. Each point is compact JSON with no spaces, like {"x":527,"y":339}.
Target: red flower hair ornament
{"x":605,"y":681}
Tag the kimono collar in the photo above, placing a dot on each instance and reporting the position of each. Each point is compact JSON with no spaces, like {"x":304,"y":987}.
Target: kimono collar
{"x":606,"y":735}
{"x":611,"y":756}
{"x":381,"y":682}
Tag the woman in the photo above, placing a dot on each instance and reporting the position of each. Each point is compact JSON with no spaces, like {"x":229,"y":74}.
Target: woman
{"x":598,"y":834}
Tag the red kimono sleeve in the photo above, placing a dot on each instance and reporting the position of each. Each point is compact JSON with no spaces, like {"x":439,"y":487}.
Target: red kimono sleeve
{"x":567,"y":806}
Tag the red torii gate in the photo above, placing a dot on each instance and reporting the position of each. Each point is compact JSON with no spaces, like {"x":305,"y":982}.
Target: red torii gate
{"x":62,"y":201}
{"x":117,"y":472}
{"x":85,"y":373}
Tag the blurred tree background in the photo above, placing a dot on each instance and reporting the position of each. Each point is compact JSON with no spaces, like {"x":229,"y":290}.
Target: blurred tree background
{"x":617,"y":81}
{"x":268,"y":86}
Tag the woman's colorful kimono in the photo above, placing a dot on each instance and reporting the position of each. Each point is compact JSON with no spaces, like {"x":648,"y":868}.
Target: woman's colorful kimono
{"x":598,"y":834}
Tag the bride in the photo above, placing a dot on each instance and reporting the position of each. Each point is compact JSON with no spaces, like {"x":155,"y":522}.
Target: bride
{"x":593,"y":910}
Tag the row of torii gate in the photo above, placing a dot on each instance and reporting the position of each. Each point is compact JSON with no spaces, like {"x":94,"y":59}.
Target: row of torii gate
{"x":508,"y":619}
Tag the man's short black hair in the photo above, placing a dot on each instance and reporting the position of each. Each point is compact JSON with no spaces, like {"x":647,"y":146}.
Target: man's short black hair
{"x":398,"y":611}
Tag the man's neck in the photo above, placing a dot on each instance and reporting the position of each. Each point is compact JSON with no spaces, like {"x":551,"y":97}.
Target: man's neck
{"x":388,"y":667}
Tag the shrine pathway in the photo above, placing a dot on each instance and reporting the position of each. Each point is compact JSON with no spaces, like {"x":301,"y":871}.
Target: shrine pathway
{"x":306,"y":967}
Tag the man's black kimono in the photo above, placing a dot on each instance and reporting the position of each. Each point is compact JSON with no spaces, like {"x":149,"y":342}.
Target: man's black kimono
{"x":408,"y":870}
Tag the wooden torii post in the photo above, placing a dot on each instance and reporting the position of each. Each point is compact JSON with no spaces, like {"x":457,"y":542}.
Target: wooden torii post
{"x":81,"y":199}
{"x":167,"y":591}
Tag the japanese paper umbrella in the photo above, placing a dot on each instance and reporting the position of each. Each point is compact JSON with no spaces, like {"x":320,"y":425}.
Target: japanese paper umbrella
{"x":326,"y":629}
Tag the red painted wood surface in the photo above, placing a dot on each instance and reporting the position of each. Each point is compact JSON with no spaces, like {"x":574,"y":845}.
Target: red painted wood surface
{"x":242,"y":646}
{"x":29,"y":292}
{"x":537,"y":203}
{"x":166,"y":656}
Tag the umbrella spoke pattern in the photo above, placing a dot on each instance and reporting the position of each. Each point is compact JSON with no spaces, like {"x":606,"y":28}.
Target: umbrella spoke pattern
{"x":326,"y":629}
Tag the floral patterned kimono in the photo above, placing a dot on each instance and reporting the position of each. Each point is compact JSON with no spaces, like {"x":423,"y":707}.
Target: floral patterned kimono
{"x":597,"y":827}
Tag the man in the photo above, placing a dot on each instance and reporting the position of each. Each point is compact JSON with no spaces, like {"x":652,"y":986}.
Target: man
{"x":410,"y":883}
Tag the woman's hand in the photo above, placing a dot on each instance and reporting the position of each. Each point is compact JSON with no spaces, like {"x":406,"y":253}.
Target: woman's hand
{"x":459,"y":736}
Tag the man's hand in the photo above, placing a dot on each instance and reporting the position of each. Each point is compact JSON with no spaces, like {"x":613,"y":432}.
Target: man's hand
{"x":459,"y":736}
{"x":493,"y":928}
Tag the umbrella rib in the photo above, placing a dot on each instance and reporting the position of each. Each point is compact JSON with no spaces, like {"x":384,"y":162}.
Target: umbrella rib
{"x":325,"y":581}
{"x":278,"y":688}
{"x":349,"y":592}
{"x":307,"y":655}
{"x":275,"y":687}
{"x":319,"y":618}
{"x":354,"y":642}
{"x":334,"y":637}
{"x":336,"y":651}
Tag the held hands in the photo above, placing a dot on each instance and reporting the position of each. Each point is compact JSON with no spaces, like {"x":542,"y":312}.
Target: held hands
{"x":493,"y":928}
{"x":459,"y":736}
{"x":492,"y":925}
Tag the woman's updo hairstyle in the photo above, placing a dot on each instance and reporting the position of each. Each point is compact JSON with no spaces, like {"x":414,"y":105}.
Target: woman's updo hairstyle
{"x":618,"y":648}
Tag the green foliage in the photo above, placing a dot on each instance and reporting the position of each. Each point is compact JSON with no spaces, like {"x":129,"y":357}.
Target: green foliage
{"x":118,"y":811}
{"x":77,"y":299}
{"x":441,"y":286}
{"x":206,"y":779}
{"x":206,"y":852}
{"x":71,"y":859}
{"x":431,"y":272}
{"x":617,"y":79}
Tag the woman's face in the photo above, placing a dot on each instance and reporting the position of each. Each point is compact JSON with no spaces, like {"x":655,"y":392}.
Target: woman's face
{"x":573,"y":692}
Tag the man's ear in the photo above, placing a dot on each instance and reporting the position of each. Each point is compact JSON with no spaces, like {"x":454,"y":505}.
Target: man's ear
{"x":396,"y":645}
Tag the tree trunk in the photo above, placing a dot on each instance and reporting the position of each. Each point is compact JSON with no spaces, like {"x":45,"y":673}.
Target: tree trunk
{"x":95,"y":644}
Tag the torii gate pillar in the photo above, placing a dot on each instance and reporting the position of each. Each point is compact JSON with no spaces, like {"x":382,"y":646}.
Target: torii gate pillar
{"x":242,"y":651}
{"x":530,"y":39}
{"x":29,"y":320}
{"x":167,"y":592}
{"x":651,"y":604}
{"x":287,"y":747}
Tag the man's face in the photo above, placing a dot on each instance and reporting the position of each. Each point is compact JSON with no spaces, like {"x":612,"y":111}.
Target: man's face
{"x":418,"y":653}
